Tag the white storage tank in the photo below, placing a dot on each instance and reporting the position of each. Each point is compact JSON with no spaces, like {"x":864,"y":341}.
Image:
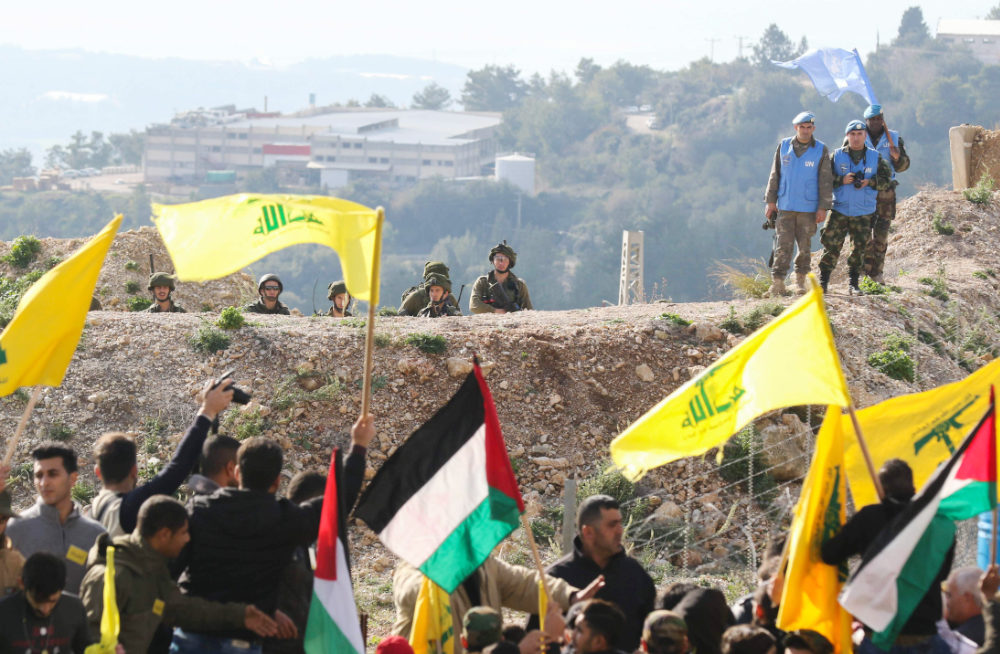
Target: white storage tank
{"x":518,"y":169}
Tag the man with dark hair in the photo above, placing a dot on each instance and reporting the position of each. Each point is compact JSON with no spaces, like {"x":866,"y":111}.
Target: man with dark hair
{"x":665,"y":632}
{"x":218,"y":465}
{"x":54,"y":524}
{"x":117,"y":505}
{"x":748,"y":639}
{"x":41,"y":617}
{"x":862,"y":529}
{"x":146,"y":595}
{"x":161,"y":285}
{"x":599,"y":628}
{"x":704,"y":610}
{"x":243,"y":538}
{"x":598,"y":552}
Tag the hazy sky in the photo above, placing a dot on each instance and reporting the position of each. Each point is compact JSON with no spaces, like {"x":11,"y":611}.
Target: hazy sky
{"x":536,"y":35}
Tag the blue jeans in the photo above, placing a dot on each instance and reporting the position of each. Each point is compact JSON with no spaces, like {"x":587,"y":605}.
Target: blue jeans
{"x":187,"y":642}
{"x":933,"y":645}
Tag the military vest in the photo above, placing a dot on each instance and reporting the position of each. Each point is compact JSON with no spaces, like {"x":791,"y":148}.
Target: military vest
{"x":799,"y":187}
{"x":883,"y":147}
{"x":852,"y":201}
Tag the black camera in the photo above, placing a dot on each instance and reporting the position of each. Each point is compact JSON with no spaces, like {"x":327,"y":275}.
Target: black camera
{"x":858,"y":183}
{"x":240,"y":396}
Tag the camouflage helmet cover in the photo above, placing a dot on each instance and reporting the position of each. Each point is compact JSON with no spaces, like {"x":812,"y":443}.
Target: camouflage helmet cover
{"x":336,"y":288}
{"x":664,"y":631}
{"x":482,"y":626}
{"x":270,"y":277}
{"x":438,"y":280}
{"x":161,"y":279}
{"x":435,"y":267}
{"x":503,"y":248}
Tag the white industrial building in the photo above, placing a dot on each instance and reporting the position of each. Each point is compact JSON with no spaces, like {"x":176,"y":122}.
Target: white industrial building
{"x":327,"y":148}
{"x":982,"y":37}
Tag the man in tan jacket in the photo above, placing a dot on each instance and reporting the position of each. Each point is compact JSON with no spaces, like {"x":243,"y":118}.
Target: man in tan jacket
{"x":497,"y":584}
{"x":11,"y":560}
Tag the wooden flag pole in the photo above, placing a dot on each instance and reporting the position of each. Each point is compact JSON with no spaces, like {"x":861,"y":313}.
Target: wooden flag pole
{"x":538,"y":561}
{"x":366,"y":387}
{"x":993,"y":537}
{"x":12,"y":443}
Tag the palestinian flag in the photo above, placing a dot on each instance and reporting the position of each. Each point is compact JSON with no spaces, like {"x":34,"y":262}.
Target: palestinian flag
{"x":448,"y":495}
{"x":333,"y":618}
{"x":901,"y":564}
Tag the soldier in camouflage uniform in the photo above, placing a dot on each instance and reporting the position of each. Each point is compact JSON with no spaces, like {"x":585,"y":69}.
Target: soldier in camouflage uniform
{"x":885,"y":209}
{"x":481,"y":627}
{"x":415,"y":298}
{"x":859,"y":173}
{"x":439,"y":290}
{"x":665,"y":632}
{"x":268,"y":289}
{"x":500,"y":291}
{"x":337,"y":293}
{"x":162,"y":285}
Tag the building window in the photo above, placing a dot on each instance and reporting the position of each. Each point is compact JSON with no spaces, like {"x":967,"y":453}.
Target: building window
{"x":372,"y":160}
{"x":329,"y":158}
{"x":257,"y":150}
{"x":243,"y":137}
{"x":230,"y":135}
{"x":216,"y":148}
{"x":427,"y":162}
{"x":346,"y":145}
{"x":449,"y":163}
{"x":383,"y":160}
{"x":357,"y":146}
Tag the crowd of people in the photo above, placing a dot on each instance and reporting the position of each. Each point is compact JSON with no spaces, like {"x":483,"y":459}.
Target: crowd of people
{"x":851,"y":191}
{"x":231,"y":571}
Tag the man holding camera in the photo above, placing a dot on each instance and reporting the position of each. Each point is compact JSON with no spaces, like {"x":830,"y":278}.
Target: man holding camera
{"x":116,"y":507}
{"x":500,"y":291}
{"x":859,"y":172}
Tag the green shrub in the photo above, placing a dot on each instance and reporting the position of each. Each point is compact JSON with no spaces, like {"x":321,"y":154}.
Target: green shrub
{"x":289,"y":393}
{"x":757,"y":317}
{"x":58,"y":431}
{"x":131,"y":287}
{"x":231,"y":318}
{"x":869,"y":286}
{"x":894,"y":363}
{"x":611,"y":482}
{"x":673,"y":319}
{"x":942,"y":226}
{"x":209,"y":339}
{"x":131,"y":265}
{"x":982,"y":192}
{"x":24,"y":250}
{"x":938,"y":284}
{"x":83,"y":492}
{"x":732,"y":324}
{"x":741,"y":453}
{"x":242,"y":425}
{"x":985,"y":274}
{"x":383,"y":340}
{"x":430,"y":343}
{"x":897,"y":342}
{"x":387,"y":311}
{"x":52,"y":262}
{"x":360,"y":323}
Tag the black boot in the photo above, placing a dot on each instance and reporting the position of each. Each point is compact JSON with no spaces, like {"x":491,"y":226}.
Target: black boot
{"x":824,"y":278}
{"x":855,"y":289}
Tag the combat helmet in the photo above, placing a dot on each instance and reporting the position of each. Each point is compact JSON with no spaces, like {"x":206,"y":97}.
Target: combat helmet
{"x":161,"y":279}
{"x":438,"y":280}
{"x":270,"y":277}
{"x":435,"y":268}
{"x":503,"y":248}
{"x":336,"y":288}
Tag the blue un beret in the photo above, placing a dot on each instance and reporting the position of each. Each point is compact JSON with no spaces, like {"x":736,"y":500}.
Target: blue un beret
{"x":804,"y":117}
{"x":855,"y":125}
{"x":873,"y":110}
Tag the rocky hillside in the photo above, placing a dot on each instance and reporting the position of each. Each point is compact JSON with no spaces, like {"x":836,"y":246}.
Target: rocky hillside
{"x":565,"y":384}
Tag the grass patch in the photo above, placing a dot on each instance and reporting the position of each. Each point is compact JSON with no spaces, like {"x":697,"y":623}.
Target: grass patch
{"x":747,"y":278}
{"x":83,"y":492}
{"x":138,"y":303}
{"x":942,"y":226}
{"x":985,"y":274}
{"x":242,"y":425}
{"x":132,"y":287}
{"x":231,"y":318}
{"x":894,"y":360}
{"x":353,"y":322}
{"x":938,"y":285}
{"x":429,"y":343}
{"x":52,"y":262}
{"x":869,"y":286}
{"x":757,"y":317}
{"x":673,"y":319}
{"x":24,"y":250}
{"x":982,"y":192}
{"x":383,"y":340}
{"x":58,"y":431}
{"x":732,"y":324}
{"x":208,"y":339}
{"x":289,"y":392}
{"x":387,"y":311}
{"x":131,"y":265}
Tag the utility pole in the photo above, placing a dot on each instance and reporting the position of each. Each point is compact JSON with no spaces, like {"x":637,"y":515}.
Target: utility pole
{"x":711,"y":48}
{"x":739,"y":47}
{"x":630,"y":282}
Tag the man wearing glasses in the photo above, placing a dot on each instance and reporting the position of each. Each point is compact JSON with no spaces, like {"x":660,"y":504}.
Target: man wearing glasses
{"x":269,"y":288}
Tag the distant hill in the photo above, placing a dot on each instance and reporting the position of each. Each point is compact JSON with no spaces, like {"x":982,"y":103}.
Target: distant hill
{"x":49,"y":94}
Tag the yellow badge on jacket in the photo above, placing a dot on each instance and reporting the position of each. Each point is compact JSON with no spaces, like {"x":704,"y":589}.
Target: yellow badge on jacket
{"x":158,"y":607}
{"x":76,"y":555}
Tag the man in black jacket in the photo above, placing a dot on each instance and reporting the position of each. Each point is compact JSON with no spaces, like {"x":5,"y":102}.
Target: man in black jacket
{"x":861,"y":530}
{"x":243,"y":538}
{"x":597,"y":551}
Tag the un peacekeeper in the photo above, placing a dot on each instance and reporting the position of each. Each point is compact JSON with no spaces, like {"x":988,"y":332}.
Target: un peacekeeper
{"x":416,"y":297}
{"x":439,"y":290}
{"x":885,"y":206}
{"x":337,"y":293}
{"x":798,"y":196}
{"x":162,"y":285}
{"x":268,"y":289}
{"x":500,"y":291}
{"x":859,"y":173}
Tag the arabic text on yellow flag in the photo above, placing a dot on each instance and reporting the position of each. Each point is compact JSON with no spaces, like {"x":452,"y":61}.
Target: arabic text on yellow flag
{"x":214,"y":238}
{"x":790,"y":361}
{"x":38,"y":343}
{"x":110,"y":618}
{"x":923,"y":429}
{"x":433,"y":630}
{"x":809,"y":599}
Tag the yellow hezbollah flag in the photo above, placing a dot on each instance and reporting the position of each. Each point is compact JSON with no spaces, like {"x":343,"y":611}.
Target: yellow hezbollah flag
{"x":39,"y":342}
{"x":923,"y":429}
{"x":790,"y":361}
{"x":217,"y":237}
{"x":809,"y":599}
{"x":433,"y":630}
{"x":110,"y":619}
